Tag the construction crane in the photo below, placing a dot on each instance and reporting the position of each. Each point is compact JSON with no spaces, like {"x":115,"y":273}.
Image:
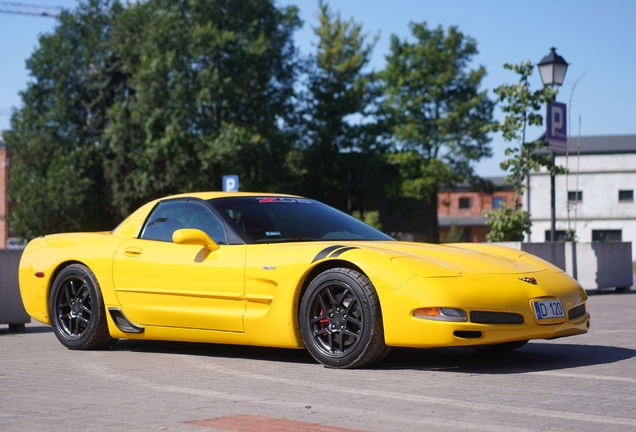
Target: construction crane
{"x":27,"y":9}
{"x":30,"y":9}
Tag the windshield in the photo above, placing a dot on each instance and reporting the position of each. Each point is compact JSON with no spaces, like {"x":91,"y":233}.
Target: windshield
{"x":267,"y":219}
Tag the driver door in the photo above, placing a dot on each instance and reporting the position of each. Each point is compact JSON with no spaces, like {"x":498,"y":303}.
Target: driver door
{"x":160,"y":283}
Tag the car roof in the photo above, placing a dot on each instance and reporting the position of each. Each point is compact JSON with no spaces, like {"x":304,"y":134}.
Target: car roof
{"x":219,"y":194}
{"x":131,"y":225}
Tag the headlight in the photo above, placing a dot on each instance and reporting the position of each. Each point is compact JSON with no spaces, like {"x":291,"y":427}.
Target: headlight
{"x":441,"y":314}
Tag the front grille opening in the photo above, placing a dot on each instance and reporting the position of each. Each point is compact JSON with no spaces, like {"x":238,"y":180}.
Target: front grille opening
{"x":576,"y":311}
{"x":496,"y":317}
{"x":465,"y":334}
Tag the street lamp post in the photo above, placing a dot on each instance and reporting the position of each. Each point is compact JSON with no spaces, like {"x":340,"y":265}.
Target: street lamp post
{"x":552,"y":69}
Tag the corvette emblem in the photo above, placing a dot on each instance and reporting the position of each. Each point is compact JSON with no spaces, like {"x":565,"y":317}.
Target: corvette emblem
{"x":530,"y":280}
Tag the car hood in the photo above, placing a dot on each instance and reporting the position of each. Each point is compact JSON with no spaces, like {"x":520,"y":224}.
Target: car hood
{"x":465,"y":258}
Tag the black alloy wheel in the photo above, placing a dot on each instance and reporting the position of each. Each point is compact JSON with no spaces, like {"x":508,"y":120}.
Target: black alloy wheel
{"x":77,"y":309}
{"x":341,"y":321}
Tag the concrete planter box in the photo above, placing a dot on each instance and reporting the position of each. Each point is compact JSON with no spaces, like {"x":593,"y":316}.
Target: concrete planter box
{"x":11,"y":308}
{"x":595,"y":265}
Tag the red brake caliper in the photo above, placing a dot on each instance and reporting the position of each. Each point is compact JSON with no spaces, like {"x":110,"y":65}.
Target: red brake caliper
{"x":324,"y":323}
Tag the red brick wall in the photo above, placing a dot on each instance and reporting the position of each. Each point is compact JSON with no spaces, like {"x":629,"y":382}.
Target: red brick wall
{"x":448,"y":206}
{"x":448,"y":203}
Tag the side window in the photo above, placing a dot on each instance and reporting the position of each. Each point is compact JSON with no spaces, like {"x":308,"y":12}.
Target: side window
{"x":170,"y":216}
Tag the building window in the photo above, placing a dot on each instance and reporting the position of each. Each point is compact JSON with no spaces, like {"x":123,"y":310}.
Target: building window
{"x":575,"y":196}
{"x":464,"y":203}
{"x":560,"y":235}
{"x":607,"y":235}
{"x":498,"y":202}
{"x":626,"y":196}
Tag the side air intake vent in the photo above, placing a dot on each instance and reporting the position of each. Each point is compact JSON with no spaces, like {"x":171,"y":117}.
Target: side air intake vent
{"x":123,"y":323}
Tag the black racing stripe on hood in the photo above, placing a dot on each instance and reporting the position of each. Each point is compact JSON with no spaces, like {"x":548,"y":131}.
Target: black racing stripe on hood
{"x":326,"y":251}
{"x":339,"y":252}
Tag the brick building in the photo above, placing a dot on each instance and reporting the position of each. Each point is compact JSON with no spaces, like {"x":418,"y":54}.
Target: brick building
{"x":464,"y":206}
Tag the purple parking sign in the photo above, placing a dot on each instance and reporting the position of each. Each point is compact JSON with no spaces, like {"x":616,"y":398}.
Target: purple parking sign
{"x":557,"y":133}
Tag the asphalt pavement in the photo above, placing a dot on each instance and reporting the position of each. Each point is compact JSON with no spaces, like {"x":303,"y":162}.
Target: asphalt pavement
{"x":581,"y":383}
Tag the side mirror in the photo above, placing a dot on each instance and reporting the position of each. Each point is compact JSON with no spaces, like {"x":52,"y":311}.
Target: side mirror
{"x":193,"y":236}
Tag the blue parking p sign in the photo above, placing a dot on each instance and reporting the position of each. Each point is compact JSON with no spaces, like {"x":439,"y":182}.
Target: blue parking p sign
{"x":230,"y":183}
{"x":557,"y":133}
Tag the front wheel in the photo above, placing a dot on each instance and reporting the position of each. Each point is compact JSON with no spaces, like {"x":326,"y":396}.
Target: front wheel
{"x":341,"y":321}
{"x":77,"y":310}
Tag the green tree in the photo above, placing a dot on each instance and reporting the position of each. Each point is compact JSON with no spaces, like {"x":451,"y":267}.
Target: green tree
{"x":57,"y":179}
{"x":522,"y":108}
{"x":338,"y":149}
{"x":210,"y":88}
{"x":131,"y":103}
{"x":371,"y":218}
{"x":436,"y":114}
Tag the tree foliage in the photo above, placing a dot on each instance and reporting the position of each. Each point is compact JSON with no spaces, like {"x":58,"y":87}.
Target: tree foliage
{"x":57,"y":176}
{"x":337,"y":148}
{"x":507,"y":224}
{"x":371,"y":218}
{"x":158,"y":97}
{"x":435,"y":111}
{"x":522,"y":108}
{"x":210,"y":83}
{"x":130,"y":101}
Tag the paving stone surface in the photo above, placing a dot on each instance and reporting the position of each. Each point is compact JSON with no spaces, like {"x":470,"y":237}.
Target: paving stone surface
{"x":582,"y":383}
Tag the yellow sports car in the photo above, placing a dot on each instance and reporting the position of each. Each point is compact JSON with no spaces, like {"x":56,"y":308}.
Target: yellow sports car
{"x":285,"y":271}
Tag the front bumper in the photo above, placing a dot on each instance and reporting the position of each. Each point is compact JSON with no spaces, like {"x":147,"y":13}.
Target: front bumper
{"x":505,"y":293}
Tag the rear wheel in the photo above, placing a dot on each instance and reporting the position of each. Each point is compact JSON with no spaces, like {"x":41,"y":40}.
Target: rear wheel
{"x":77,"y":310}
{"x":341,"y":321}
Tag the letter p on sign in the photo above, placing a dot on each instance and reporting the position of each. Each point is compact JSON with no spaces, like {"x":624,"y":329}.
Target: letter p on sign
{"x":230,"y":183}
{"x":557,"y":134}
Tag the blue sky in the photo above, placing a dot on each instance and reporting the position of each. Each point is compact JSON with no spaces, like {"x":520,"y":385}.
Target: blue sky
{"x":598,"y":39}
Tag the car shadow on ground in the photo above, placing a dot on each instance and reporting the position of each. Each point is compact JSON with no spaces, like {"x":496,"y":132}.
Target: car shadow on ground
{"x":216,"y":350}
{"x":533,"y":357}
{"x":536,"y":356}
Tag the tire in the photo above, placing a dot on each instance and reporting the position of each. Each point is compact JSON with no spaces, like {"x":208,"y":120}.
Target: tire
{"x":341,"y":321}
{"x":77,"y":312}
{"x":502,"y":347}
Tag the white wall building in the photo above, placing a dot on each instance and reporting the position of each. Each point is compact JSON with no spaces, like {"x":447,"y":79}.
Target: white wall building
{"x":596,"y":198}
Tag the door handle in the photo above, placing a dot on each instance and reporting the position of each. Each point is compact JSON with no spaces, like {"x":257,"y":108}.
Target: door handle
{"x":133,"y":251}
